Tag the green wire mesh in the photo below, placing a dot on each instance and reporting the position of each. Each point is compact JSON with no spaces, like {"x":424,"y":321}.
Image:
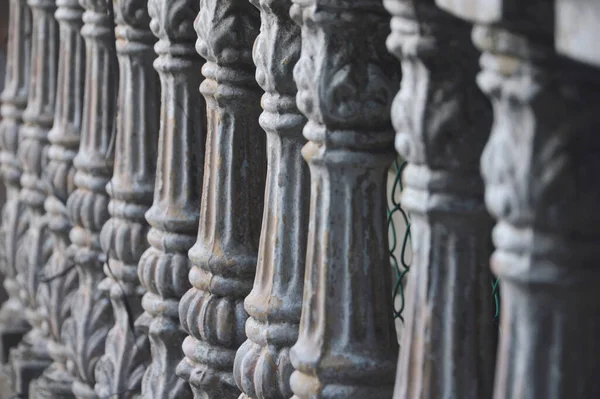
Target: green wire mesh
{"x":400,"y":264}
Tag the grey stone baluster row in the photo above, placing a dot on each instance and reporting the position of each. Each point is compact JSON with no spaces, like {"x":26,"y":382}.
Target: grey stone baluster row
{"x":31,"y":357}
{"x":300,"y":307}
{"x":88,"y":204}
{"x":541,"y":169}
{"x":58,"y":292}
{"x":443,"y":122}
{"x":14,"y":101}
{"x":225,"y":253}
{"x":123,"y":237}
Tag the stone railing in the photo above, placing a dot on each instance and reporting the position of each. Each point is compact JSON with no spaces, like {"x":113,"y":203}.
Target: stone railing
{"x":196,"y":198}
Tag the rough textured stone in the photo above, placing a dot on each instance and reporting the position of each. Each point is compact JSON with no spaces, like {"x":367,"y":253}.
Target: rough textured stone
{"x":13,"y":324}
{"x":262,"y":366}
{"x":164,"y":267}
{"x":225,"y":253}
{"x":346,"y":82}
{"x":58,"y":288}
{"x":88,"y":204}
{"x":443,"y":122}
{"x":123,"y":237}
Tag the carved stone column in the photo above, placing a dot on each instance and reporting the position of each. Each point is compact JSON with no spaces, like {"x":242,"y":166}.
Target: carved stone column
{"x":163,"y":269}
{"x":13,"y":324}
{"x":30,"y":358}
{"x":262,"y":364}
{"x":56,"y":294}
{"x":443,"y":122}
{"x":88,"y":204}
{"x":123,"y":237}
{"x":346,"y":81}
{"x":225,"y":253}
{"x":542,"y":172}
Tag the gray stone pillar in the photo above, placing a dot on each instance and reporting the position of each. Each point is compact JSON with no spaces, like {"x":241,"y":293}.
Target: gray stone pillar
{"x":88,"y":204}
{"x":225,"y":253}
{"x":164,"y":267}
{"x":541,"y":169}
{"x":30,"y":358}
{"x":346,"y":79}
{"x":443,"y":121}
{"x":123,"y":237}
{"x":262,"y":365}
{"x":14,"y":100}
{"x":57,"y":292}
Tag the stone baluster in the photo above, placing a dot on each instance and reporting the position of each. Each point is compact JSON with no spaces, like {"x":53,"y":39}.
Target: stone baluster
{"x":123,"y":237}
{"x":88,"y":204}
{"x":542,"y":172}
{"x":164,"y":267}
{"x":31,"y":357}
{"x":443,"y":122}
{"x":57,"y":293}
{"x":13,"y":324}
{"x":262,"y":365}
{"x":225,"y":253}
{"x":347,"y":345}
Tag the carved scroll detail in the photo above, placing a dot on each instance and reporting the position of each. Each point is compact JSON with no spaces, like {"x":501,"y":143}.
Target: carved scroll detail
{"x":346,"y":82}
{"x":224,"y":256}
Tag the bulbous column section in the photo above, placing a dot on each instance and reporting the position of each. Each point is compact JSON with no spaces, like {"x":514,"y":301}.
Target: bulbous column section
{"x":88,"y":204}
{"x":123,"y":237}
{"x":13,"y":324}
{"x":30,"y":358}
{"x":164,"y":267}
{"x":443,"y":122}
{"x":225,"y":253}
{"x":57,"y":293}
{"x":262,"y":364}
{"x":346,"y":82}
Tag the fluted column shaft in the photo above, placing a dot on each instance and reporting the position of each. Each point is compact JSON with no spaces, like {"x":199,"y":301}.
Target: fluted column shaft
{"x":88,"y":204}
{"x":225,"y":253}
{"x":57,"y":294}
{"x":123,"y":237}
{"x":541,"y":168}
{"x":262,"y":364}
{"x":443,"y":122}
{"x":163,"y":269}
{"x":14,"y":100}
{"x":346,"y":82}
{"x":34,"y":249}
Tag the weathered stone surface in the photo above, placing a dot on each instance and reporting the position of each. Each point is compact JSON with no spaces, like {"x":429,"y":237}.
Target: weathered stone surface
{"x":262,"y":365}
{"x":123,"y":237}
{"x":540,"y":169}
{"x":225,"y":253}
{"x":443,"y":122}
{"x":164,"y":267}
{"x":346,"y":82}
{"x":88,"y":204}
{"x":60,"y":278}
{"x":13,"y":324}
{"x":34,"y":249}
